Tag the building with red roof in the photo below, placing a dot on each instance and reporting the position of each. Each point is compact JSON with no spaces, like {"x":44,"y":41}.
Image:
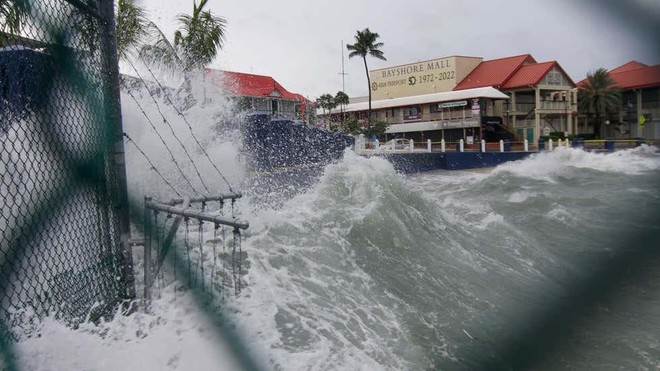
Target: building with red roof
{"x":260,"y":94}
{"x":639,"y":113}
{"x":494,"y":72}
{"x":542,"y":98}
{"x":445,"y":98}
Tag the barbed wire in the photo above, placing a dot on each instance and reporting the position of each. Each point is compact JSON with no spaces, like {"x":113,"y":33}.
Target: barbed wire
{"x":153,"y":167}
{"x":163,"y":141}
{"x":170,"y":127}
{"x":166,"y":95}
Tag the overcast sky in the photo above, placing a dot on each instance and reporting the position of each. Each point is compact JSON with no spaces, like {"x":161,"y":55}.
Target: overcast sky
{"x":299,"y":42}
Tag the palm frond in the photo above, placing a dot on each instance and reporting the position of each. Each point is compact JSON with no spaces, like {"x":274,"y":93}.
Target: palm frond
{"x":159,"y":50}
{"x":132,"y":27}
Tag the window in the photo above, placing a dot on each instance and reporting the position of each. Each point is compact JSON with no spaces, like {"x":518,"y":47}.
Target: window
{"x":554,"y":78}
{"x":412,"y":113}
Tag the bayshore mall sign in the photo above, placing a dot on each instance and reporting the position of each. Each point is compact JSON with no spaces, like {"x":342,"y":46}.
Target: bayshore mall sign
{"x":426,"y":77}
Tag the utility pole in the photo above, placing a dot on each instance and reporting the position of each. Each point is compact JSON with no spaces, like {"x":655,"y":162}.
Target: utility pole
{"x":342,"y":73}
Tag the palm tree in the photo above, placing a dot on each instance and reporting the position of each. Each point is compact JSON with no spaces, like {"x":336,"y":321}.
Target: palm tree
{"x":132,"y":27}
{"x":326,"y":102}
{"x":599,"y":95}
{"x":201,"y":36}
{"x":341,"y":99}
{"x":365,"y":44}
{"x":12,"y":14}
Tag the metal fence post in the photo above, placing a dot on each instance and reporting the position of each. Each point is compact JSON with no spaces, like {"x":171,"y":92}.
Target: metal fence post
{"x":114,"y":129}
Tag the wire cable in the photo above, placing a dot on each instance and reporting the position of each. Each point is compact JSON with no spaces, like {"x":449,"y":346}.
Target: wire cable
{"x":153,"y":167}
{"x":189,"y":127}
{"x":171,"y":128}
{"x":163,"y":141}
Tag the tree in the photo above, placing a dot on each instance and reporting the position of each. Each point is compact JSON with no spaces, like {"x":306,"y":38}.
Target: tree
{"x":376,"y":128}
{"x":341,"y":99}
{"x":326,"y":102}
{"x":351,"y":126}
{"x":599,"y":95}
{"x":365,"y":44}
{"x":201,"y":36}
{"x":12,"y":14}
{"x":132,"y":27}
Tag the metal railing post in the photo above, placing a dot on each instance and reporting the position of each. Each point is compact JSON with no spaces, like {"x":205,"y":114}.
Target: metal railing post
{"x":147,"y":255}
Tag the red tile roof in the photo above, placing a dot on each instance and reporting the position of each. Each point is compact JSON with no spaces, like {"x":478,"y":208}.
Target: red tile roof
{"x":532,"y":74}
{"x":246,"y":84}
{"x":632,"y":65}
{"x":494,"y":72}
{"x":644,"y":77}
{"x":634,"y":75}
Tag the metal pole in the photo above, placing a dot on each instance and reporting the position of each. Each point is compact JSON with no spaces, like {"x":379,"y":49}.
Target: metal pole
{"x":114,"y":129}
{"x":236,"y":223}
{"x":220,"y":197}
{"x":343,"y":74}
{"x":147,"y":255}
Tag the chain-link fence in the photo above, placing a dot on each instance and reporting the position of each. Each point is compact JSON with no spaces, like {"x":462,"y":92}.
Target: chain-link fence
{"x":62,"y":215}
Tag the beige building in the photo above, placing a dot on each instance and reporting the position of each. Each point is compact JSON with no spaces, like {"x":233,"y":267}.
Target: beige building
{"x":426,"y":77}
{"x":467,"y":98}
{"x":542,"y":96}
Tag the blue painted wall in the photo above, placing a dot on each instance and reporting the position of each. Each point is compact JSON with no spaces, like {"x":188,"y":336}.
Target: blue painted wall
{"x":409,"y":163}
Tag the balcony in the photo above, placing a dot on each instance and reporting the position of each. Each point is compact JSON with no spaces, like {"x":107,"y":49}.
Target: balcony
{"x":548,"y":105}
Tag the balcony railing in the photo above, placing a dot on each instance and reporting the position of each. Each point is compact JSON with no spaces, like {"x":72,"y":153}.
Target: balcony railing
{"x":553,"y":105}
{"x":545,"y":105}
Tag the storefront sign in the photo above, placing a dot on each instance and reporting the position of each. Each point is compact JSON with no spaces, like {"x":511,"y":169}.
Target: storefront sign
{"x":434,"y":76}
{"x":454,"y":124}
{"x":460,"y":103}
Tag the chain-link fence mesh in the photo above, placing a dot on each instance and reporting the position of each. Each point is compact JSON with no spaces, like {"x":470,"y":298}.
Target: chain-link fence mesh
{"x":60,"y":244}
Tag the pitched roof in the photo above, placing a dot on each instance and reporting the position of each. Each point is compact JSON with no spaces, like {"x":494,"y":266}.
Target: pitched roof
{"x":494,"y":72}
{"x":633,"y":75}
{"x":638,"y":78}
{"x":532,"y":74}
{"x":632,"y":65}
{"x":246,"y":84}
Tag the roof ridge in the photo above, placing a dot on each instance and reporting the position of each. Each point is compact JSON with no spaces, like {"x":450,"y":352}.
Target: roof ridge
{"x":515,"y":70}
{"x":634,"y":69}
{"x":511,"y":57}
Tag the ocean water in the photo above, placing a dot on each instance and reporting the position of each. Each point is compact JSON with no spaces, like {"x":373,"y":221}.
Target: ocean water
{"x":550,"y":263}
